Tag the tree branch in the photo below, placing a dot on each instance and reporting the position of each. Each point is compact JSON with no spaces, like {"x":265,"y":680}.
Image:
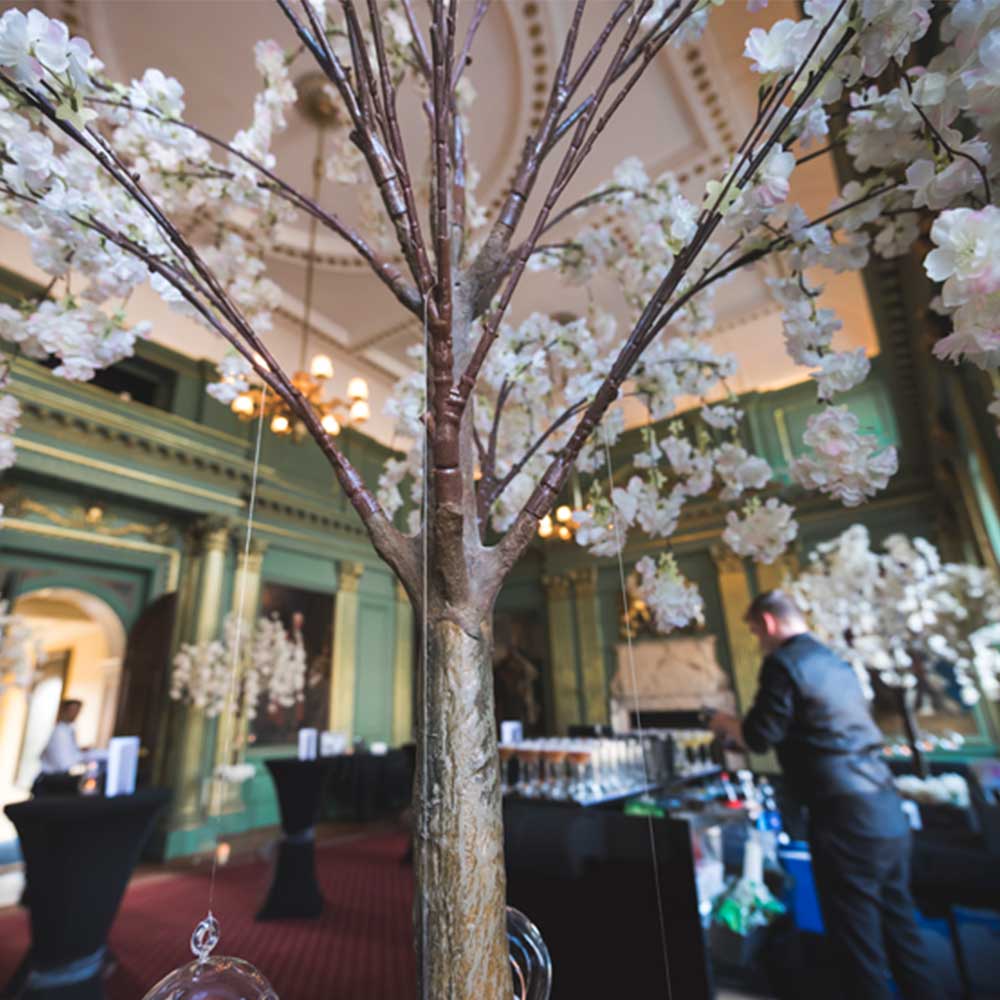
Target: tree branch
{"x":555,"y":476}
{"x":380,"y":164}
{"x":388,"y":273}
{"x":574,"y":156}
{"x":484,"y":270}
{"x":463,"y":58}
{"x":394,"y":137}
{"x":398,"y":551}
{"x":419,"y":45}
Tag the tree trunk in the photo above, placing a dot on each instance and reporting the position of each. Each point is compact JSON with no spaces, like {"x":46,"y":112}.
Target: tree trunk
{"x":912,"y":732}
{"x":460,"y":902}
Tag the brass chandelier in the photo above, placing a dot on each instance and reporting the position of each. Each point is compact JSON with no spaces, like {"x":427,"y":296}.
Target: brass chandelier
{"x":560,"y":523}
{"x":334,"y":413}
{"x":562,"y":526}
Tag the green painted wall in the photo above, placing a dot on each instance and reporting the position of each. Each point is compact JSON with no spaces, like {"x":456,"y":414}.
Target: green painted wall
{"x":159,"y":470}
{"x":373,"y":679}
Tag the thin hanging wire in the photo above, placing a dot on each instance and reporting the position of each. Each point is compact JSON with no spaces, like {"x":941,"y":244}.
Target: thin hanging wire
{"x":240,"y":614}
{"x":425,"y":644}
{"x":638,"y":719}
{"x":311,"y":259}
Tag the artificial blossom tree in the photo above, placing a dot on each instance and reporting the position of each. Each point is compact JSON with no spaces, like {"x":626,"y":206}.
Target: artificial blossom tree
{"x":266,"y":660}
{"x":896,"y":612}
{"x":19,"y":650}
{"x":112,"y":186}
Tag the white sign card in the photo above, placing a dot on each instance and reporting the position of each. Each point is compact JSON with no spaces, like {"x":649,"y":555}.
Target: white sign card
{"x":511,"y":732}
{"x":308,"y":744}
{"x":331,"y":744}
{"x":123,"y":764}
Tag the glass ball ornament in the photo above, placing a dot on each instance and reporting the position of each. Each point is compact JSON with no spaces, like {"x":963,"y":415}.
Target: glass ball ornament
{"x":531,"y":964}
{"x":212,"y":977}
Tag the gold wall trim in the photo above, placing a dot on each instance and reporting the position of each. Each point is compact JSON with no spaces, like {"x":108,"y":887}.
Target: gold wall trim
{"x":102,"y":412}
{"x":318,"y":536}
{"x":74,"y":458}
{"x":172,"y":556}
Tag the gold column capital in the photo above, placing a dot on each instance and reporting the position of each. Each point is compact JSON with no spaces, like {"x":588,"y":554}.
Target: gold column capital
{"x":584,"y":581}
{"x":211,"y":534}
{"x":349,"y":575}
{"x":771,"y":576}
{"x":556,"y":587}
{"x":726,"y":561}
{"x":253,"y":559}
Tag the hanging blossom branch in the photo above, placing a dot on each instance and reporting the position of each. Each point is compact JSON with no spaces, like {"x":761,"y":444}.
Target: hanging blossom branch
{"x":198,"y":285}
{"x":382,"y":268}
{"x":551,"y":484}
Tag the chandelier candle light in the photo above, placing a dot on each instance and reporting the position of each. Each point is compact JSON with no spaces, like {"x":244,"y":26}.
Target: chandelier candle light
{"x":334,"y":413}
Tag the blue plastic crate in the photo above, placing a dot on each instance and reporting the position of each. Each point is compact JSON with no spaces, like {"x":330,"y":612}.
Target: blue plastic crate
{"x":801,"y":899}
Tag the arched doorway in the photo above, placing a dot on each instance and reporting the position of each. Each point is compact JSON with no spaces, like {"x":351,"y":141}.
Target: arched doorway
{"x":79,"y":642}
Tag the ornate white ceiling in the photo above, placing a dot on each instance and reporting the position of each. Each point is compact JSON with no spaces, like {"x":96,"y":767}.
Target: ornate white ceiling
{"x":690,"y":109}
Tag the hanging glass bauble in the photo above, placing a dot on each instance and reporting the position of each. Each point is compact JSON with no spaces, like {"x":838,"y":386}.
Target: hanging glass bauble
{"x":529,"y":958}
{"x":211,"y":977}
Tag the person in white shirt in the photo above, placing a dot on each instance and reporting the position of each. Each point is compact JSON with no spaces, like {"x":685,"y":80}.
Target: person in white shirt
{"x":61,"y":752}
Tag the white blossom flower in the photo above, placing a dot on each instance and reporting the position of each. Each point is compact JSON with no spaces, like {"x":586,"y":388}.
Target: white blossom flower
{"x":845,"y":464}
{"x":234,"y":673}
{"x":673,"y":600}
{"x":601,"y":529}
{"x":19,"y":649}
{"x":739,"y":471}
{"x":721,"y":417}
{"x":779,"y":49}
{"x":763,"y":532}
{"x":10,"y":414}
{"x":880,"y":611}
{"x":967,"y":255}
{"x":889,"y":28}
{"x":841,"y":371}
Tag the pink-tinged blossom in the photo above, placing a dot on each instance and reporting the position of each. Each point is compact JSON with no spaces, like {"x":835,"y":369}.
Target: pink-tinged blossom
{"x":845,"y":464}
{"x":967,"y":253}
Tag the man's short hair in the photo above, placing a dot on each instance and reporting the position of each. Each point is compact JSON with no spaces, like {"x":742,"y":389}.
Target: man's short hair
{"x":776,"y":603}
{"x":68,"y":703}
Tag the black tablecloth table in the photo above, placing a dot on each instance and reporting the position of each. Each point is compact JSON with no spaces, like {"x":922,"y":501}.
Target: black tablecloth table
{"x":79,"y":854}
{"x":584,"y":877}
{"x":294,"y":890}
{"x":368,"y":786}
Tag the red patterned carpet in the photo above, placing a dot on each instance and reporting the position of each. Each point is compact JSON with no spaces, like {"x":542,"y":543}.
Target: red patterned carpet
{"x":360,"y":949}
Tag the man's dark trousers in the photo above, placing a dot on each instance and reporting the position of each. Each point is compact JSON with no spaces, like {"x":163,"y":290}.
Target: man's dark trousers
{"x":864,"y":895}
